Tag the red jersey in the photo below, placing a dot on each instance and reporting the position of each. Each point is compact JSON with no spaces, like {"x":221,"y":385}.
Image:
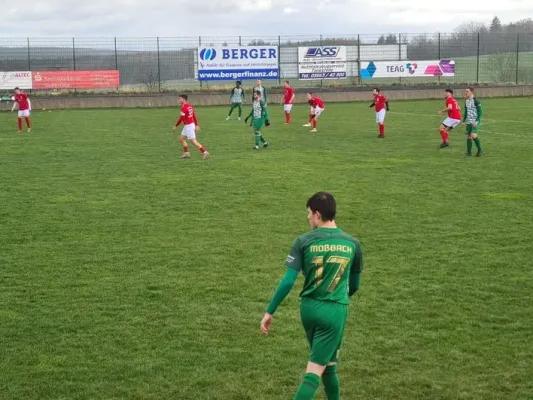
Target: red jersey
{"x":316,"y":102}
{"x":288,"y":95}
{"x":455,"y":111}
{"x":187,"y":115}
{"x":380,"y":102}
{"x":22,"y":99}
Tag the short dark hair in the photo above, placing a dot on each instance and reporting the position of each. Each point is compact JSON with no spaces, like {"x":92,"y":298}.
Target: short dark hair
{"x":470,"y":88}
{"x":376,"y":89}
{"x":325,"y":204}
{"x":17,"y":88}
{"x":239,"y":82}
{"x":449,"y":91}
{"x":310,"y":93}
{"x":287,"y":82}
{"x":184,"y":96}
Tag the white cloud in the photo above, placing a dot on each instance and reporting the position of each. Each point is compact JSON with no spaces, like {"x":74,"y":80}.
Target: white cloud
{"x":217,"y":18}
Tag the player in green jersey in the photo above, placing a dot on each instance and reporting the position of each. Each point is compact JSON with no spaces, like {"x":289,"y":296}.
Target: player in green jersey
{"x":472,"y":118}
{"x":236,"y":99}
{"x":331,"y":263}
{"x":259,"y":117}
{"x":261,"y":89}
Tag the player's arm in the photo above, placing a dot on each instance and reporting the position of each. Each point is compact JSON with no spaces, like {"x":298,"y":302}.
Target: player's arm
{"x":243,"y":95}
{"x":250,"y":115}
{"x":265,"y":113}
{"x":387,"y":104}
{"x":294,"y":265}
{"x":195,"y":119}
{"x":15,"y":104}
{"x":479,"y":111}
{"x":355,"y":272}
{"x":179,"y":121}
{"x":231,"y":95}
{"x":373,"y":104}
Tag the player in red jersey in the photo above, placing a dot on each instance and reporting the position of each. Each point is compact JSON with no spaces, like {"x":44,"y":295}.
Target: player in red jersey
{"x":382,"y":106}
{"x":191,"y":127}
{"x":454,"y":117}
{"x":24,"y":107}
{"x":317,"y":107}
{"x":288,"y":100}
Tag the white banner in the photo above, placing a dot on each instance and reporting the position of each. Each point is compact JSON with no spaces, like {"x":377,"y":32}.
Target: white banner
{"x":322,"y":62}
{"x":230,"y":63}
{"x":9,"y":80}
{"x":406,"y":69}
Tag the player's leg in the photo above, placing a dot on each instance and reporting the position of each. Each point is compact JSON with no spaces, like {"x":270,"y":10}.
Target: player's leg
{"x":287,"y":108}
{"x":324,"y":325}
{"x":311,"y":116}
{"x":444,"y":129}
{"x":26,"y":115}
{"x":469,"y":139}
{"x":19,"y":120}
{"x":476,"y":140}
{"x":380,"y":119}
{"x":239,"y":106}
{"x":314,"y":122}
{"x":200,"y":147}
{"x":259,"y":138}
{"x":183,"y":142}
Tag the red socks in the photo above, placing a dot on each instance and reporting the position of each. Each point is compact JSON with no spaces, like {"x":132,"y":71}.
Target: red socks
{"x":444,"y":136}
{"x":185,"y":149}
{"x":381,"y":130}
{"x":27,"y":122}
{"x":310,"y":118}
{"x":20,"y":124}
{"x":314,"y":123}
{"x":202,"y":150}
{"x":287,"y":117}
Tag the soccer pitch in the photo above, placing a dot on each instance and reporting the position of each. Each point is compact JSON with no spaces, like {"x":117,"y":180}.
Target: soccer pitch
{"x":127,"y":273}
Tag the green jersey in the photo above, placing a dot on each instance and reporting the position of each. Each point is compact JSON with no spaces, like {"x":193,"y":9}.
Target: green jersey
{"x":261,"y":90}
{"x":237,"y":95}
{"x":258,"y":109}
{"x":326,"y":257}
{"x":473,"y":111}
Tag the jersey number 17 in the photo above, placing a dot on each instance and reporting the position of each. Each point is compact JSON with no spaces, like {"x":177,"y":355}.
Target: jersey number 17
{"x":336,"y":262}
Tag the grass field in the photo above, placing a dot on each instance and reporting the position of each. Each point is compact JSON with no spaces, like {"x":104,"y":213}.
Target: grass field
{"x":127,"y":273}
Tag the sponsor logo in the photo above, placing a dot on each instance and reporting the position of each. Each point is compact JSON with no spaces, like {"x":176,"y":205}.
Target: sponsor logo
{"x":411,"y":67}
{"x":319,"y":52}
{"x":208,"y":54}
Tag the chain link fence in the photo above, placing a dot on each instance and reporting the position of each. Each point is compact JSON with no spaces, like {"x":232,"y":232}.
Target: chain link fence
{"x":169,"y":64}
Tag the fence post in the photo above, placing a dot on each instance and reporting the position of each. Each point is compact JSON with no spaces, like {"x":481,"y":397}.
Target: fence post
{"x":279,"y":59}
{"x":116,"y":55}
{"x":439,"y":56}
{"x":74,"y":53}
{"x":158,"y":66}
{"x":358,"y":59}
{"x":321,"y":80}
{"x":517,"y":55}
{"x":199,"y":45}
{"x":240,"y":40}
{"x":477,"y":67}
{"x":400,"y":52}
{"x":29,"y":57}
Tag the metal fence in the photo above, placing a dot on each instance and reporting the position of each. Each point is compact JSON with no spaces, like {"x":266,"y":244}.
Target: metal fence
{"x":168,"y":64}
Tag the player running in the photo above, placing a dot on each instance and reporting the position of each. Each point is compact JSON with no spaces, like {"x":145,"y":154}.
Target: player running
{"x":472,"y":118}
{"x":331,"y":263}
{"x":191,"y":127}
{"x":381,"y":105}
{"x":236,"y":99}
{"x":317,"y":107}
{"x":288,"y":100}
{"x":454,"y":117}
{"x":24,"y":108}
{"x":261,"y":89}
{"x":259,"y":117}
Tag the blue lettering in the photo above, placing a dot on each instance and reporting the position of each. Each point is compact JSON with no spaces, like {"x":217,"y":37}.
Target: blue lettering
{"x":225,"y":54}
{"x":272,"y":53}
{"x":243,"y":53}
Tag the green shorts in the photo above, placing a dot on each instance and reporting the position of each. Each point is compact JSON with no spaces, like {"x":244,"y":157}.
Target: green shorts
{"x":472,"y":129}
{"x":258,"y":124}
{"x":324,"y":323}
{"x":235,"y":105}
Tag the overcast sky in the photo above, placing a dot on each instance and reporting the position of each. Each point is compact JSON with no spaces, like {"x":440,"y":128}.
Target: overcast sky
{"x":180,"y":18}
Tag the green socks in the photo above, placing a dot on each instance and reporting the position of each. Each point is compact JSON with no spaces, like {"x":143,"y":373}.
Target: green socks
{"x":469,"y":146}
{"x":262,"y":139}
{"x":258,"y":137}
{"x":330,"y":379}
{"x":478,"y":143}
{"x":308,"y":387}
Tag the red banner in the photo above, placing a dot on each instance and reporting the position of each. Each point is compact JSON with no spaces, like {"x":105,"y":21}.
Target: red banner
{"x":76,"y":79}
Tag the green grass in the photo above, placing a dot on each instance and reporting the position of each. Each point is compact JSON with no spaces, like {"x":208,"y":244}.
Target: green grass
{"x":127,"y":273}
